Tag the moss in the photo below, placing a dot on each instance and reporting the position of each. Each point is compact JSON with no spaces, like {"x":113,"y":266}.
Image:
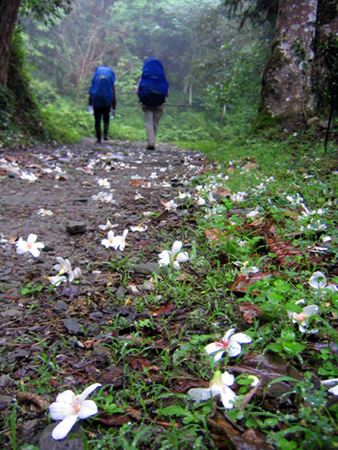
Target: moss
{"x":264,"y":121}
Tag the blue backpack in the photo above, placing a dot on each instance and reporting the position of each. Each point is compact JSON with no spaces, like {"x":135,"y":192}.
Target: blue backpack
{"x":153,"y":87}
{"x":102,"y":88}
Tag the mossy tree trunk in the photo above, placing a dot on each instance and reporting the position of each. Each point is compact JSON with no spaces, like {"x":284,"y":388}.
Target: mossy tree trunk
{"x":8,"y":15}
{"x":287,"y":92}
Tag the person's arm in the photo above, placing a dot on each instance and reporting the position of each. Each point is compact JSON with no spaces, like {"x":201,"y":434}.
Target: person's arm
{"x":137,"y":87}
{"x":90,"y":102}
{"x":113,"y":103}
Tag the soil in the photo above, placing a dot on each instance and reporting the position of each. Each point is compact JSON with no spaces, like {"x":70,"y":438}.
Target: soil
{"x":35,"y":326}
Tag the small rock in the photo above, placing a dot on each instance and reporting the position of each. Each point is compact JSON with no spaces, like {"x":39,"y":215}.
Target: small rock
{"x":143,"y":268}
{"x":76,"y":227}
{"x":4,"y":380}
{"x":121,"y":292}
{"x":11,"y":313}
{"x":60,"y":306}
{"x":73,"y":326}
{"x":46,"y":441}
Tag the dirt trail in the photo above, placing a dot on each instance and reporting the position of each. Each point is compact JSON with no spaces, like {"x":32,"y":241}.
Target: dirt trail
{"x":37,"y":325}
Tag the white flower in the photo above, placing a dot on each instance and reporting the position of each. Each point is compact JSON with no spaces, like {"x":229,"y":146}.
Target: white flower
{"x":119,"y":242}
{"x":244,"y":269}
{"x":28,"y":176}
{"x":29,"y":246}
{"x":107,"y":226}
{"x":68,"y":407}
{"x":44,"y":212}
{"x":170,"y":206}
{"x":139,"y":228}
{"x":175,"y":256}
{"x":57,"y":279}
{"x":318,"y":281}
{"x":65,"y":267}
{"x":239,"y":197}
{"x":138,"y":196}
{"x":334,"y":389}
{"x":109,"y":241}
{"x":201,"y":201}
{"x":230,"y":343}
{"x":103,"y":182}
{"x":103,"y":197}
{"x":253,"y":213}
{"x":219,"y":385}
{"x":303,"y":318}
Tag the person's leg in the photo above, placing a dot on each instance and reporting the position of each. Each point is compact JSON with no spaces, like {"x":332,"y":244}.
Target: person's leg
{"x":106,"y":117}
{"x":97,"y":115}
{"x":157,"y":117}
{"x":149,"y":117}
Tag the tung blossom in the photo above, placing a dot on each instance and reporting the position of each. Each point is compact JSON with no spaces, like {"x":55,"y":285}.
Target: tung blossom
{"x":68,"y":407}
{"x":333,"y":382}
{"x":30,"y":177}
{"x":64,"y":267}
{"x":109,"y":241}
{"x":104,"y":197}
{"x":30,"y":245}
{"x":303,"y":317}
{"x":107,"y":226}
{"x":119,"y":242}
{"x":230,"y":343}
{"x":318,"y":281}
{"x":219,"y":385}
{"x":175,"y":256}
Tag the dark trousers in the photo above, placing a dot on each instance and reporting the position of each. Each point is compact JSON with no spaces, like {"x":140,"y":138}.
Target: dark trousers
{"x":99,"y":112}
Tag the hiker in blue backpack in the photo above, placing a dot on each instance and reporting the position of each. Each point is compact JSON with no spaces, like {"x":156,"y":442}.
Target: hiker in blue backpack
{"x":101,"y":99}
{"x":152,"y":90}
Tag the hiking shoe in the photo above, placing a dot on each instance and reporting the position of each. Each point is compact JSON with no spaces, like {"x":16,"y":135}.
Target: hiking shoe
{"x":105,"y":137}
{"x":150,"y":147}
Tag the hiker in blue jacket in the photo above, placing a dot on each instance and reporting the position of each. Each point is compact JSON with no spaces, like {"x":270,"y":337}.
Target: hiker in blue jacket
{"x":102,"y":98}
{"x":152,"y":90}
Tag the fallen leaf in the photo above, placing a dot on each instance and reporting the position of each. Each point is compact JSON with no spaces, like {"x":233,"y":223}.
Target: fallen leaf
{"x":250,"y":311}
{"x":164,"y":310}
{"x":243,"y":282}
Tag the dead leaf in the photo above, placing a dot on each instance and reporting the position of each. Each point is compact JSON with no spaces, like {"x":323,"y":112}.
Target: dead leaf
{"x":35,"y":401}
{"x":164,"y":310}
{"x":243,"y":282}
{"x":250,"y":311}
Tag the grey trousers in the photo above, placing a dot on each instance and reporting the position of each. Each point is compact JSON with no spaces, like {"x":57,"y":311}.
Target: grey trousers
{"x":152,"y":117}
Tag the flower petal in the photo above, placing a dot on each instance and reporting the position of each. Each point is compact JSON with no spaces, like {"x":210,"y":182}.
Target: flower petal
{"x":228,"y":397}
{"x":310,"y":310}
{"x":88,"y":391}
{"x":35,"y":251}
{"x":227,"y":379}
{"x":334,"y":390}
{"x":60,"y":410}
{"x":32,"y":238}
{"x":182,"y":257}
{"x":234,"y":349}
{"x":88,"y":409}
{"x":228,"y":334}
{"x":177,"y":245}
{"x":212,"y":348}
{"x":63,"y":428}
{"x":200,"y":394}
{"x":317,"y":280}
{"x":241,"y":338}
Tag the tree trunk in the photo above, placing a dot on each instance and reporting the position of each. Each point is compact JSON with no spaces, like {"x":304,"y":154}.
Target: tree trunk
{"x":8,"y":15}
{"x":287,"y":91}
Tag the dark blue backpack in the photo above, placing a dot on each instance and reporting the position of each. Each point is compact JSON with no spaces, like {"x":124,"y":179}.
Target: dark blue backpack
{"x":102,"y":88}
{"x":153,"y":87}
